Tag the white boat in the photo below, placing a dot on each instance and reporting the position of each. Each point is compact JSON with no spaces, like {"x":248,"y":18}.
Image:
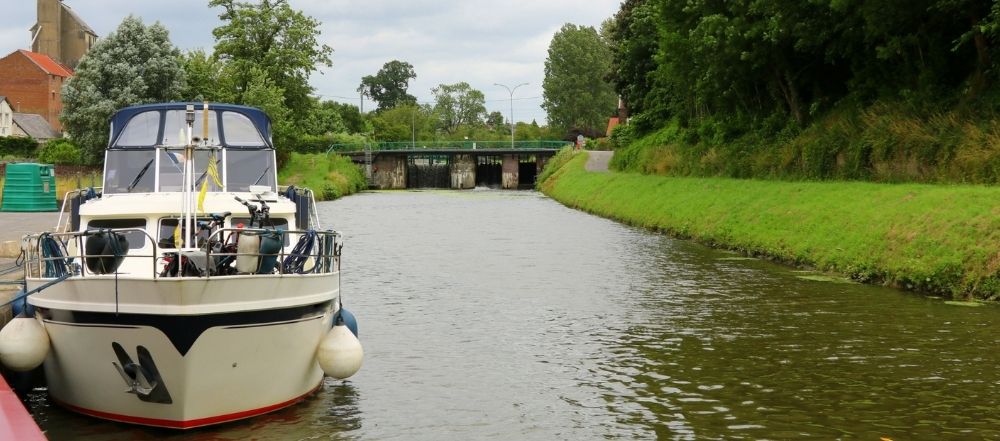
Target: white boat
{"x":153,"y":325}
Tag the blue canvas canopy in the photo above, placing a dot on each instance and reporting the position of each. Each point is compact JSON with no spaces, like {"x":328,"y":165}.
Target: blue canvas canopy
{"x":154,"y":119}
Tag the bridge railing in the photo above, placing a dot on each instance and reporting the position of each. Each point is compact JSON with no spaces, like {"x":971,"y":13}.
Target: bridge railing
{"x":454,"y":145}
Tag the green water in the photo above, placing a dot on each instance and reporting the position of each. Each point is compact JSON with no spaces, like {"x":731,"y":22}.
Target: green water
{"x":503,"y":315}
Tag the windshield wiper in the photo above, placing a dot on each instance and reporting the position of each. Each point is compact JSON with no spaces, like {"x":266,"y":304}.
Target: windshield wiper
{"x":266,"y":169}
{"x":139,"y":176}
{"x":198,"y":182}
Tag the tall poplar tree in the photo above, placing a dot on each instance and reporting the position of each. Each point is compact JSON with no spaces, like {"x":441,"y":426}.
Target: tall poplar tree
{"x":576,"y":95}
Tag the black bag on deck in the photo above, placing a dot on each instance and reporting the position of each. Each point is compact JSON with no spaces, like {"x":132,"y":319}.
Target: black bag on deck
{"x":105,"y":251}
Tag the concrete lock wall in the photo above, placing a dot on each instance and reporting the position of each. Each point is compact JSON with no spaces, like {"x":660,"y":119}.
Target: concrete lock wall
{"x":389,"y":172}
{"x":463,"y":172}
{"x":510,"y":173}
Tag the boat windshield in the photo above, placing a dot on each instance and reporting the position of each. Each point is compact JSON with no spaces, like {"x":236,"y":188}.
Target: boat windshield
{"x":143,"y":157}
{"x":123,"y":171}
{"x":249,"y":167}
{"x":139,"y":171}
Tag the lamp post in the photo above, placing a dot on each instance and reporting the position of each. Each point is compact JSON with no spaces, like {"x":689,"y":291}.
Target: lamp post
{"x":511,"y":91}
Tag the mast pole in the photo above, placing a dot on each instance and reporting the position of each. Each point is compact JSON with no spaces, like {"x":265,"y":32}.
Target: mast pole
{"x":189,"y":176}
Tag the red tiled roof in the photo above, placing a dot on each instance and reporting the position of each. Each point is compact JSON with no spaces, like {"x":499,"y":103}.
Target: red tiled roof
{"x":50,"y":66}
{"x":612,"y":122}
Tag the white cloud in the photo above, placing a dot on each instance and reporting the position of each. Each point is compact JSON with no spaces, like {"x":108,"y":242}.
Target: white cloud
{"x":477,"y":41}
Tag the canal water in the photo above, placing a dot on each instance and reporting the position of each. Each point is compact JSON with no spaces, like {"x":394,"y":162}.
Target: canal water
{"x":504,"y":315}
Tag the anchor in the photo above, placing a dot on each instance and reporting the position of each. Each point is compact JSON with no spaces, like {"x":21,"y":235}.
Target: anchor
{"x":142,"y":379}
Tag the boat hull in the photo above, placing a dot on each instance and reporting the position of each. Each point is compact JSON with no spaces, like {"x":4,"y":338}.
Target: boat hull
{"x":202,"y":363}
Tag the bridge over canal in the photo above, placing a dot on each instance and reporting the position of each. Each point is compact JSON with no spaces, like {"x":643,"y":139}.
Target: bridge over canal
{"x":451,"y":164}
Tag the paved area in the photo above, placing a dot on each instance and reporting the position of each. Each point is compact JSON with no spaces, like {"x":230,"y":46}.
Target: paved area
{"x":597,"y":160}
{"x":14,"y":225}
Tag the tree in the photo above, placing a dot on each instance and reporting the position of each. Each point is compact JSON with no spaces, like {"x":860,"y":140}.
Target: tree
{"x":405,"y":122}
{"x":458,"y":104}
{"x":351,"y":116}
{"x":270,"y":38}
{"x":206,"y":78}
{"x":576,"y":96}
{"x":388,"y":86}
{"x":633,"y":38}
{"x":135,"y":64}
{"x":324,"y":119}
{"x":495,"y":121}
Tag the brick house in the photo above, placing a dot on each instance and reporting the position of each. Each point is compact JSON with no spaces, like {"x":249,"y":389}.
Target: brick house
{"x":33,"y":83}
{"x":6,"y":117}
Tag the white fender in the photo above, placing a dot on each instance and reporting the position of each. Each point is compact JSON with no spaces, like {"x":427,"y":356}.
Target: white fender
{"x":23,"y":344}
{"x":340,"y":353}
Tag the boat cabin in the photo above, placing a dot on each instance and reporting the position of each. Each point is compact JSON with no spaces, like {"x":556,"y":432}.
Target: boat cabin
{"x":144,"y":174}
{"x":145,"y":152}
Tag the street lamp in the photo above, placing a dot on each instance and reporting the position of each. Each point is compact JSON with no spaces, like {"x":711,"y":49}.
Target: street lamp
{"x":511,"y":91}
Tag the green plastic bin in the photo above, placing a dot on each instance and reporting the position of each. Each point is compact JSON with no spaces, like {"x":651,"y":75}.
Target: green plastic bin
{"x":29,"y":187}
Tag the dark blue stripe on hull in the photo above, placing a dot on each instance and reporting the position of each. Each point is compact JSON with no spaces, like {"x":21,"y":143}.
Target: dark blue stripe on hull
{"x":184,"y":330}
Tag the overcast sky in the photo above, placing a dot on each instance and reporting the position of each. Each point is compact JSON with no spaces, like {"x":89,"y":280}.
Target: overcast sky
{"x":481,"y":42}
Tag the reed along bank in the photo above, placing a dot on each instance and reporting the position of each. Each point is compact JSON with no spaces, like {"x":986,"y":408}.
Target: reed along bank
{"x":942,"y":239}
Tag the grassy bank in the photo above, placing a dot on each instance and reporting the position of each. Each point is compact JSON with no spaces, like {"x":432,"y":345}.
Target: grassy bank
{"x":329,"y":176}
{"x":943,"y":239}
{"x":889,"y":141}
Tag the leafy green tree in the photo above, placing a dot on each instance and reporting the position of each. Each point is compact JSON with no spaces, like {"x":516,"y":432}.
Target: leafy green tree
{"x":351,"y":116}
{"x":458,"y":104}
{"x":495,"y":121}
{"x":324,"y":119}
{"x":270,"y":37}
{"x":403,"y":123}
{"x":576,"y":96}
{"x":388,"y":87}
{"x":206,"y":78}
{"x":134,"y":64}
{"x":262,"y":92}
{"x":633,"y":37}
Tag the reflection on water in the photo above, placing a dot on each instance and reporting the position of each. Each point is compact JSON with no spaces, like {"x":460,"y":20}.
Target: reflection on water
{"x":491,"y":314}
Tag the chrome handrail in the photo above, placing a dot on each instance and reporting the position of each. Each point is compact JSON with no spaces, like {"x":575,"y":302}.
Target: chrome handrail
{"x":331,"y":259}
{"x":31,"y":244}
{"x":326,"y":255}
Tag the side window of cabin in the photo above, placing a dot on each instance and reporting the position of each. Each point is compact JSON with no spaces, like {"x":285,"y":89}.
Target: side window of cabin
{"x":141,"y":130}
{"x":136,"y":239}
{"x":168,"y":227}
{"x":240,"y":131}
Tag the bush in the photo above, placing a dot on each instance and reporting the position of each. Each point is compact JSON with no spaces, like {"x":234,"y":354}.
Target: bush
{"x":61,"y":152}
{"x":18,"y":147}
{"x":622,"y":135}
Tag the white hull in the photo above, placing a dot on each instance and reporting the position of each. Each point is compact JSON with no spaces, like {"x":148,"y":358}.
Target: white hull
{"x":224,"y":348}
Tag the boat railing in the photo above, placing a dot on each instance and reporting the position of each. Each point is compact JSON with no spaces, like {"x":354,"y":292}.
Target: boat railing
{"x":68,"y":199}
{"x":320,"y":257}
{"x":52,"y":254}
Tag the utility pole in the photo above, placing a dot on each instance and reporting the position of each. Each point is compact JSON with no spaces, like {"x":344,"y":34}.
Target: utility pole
{"x":511,"y":91}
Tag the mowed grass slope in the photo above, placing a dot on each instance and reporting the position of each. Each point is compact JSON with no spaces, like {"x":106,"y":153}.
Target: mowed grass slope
{"x":938,"y":238}
{"x":329,"y":176}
